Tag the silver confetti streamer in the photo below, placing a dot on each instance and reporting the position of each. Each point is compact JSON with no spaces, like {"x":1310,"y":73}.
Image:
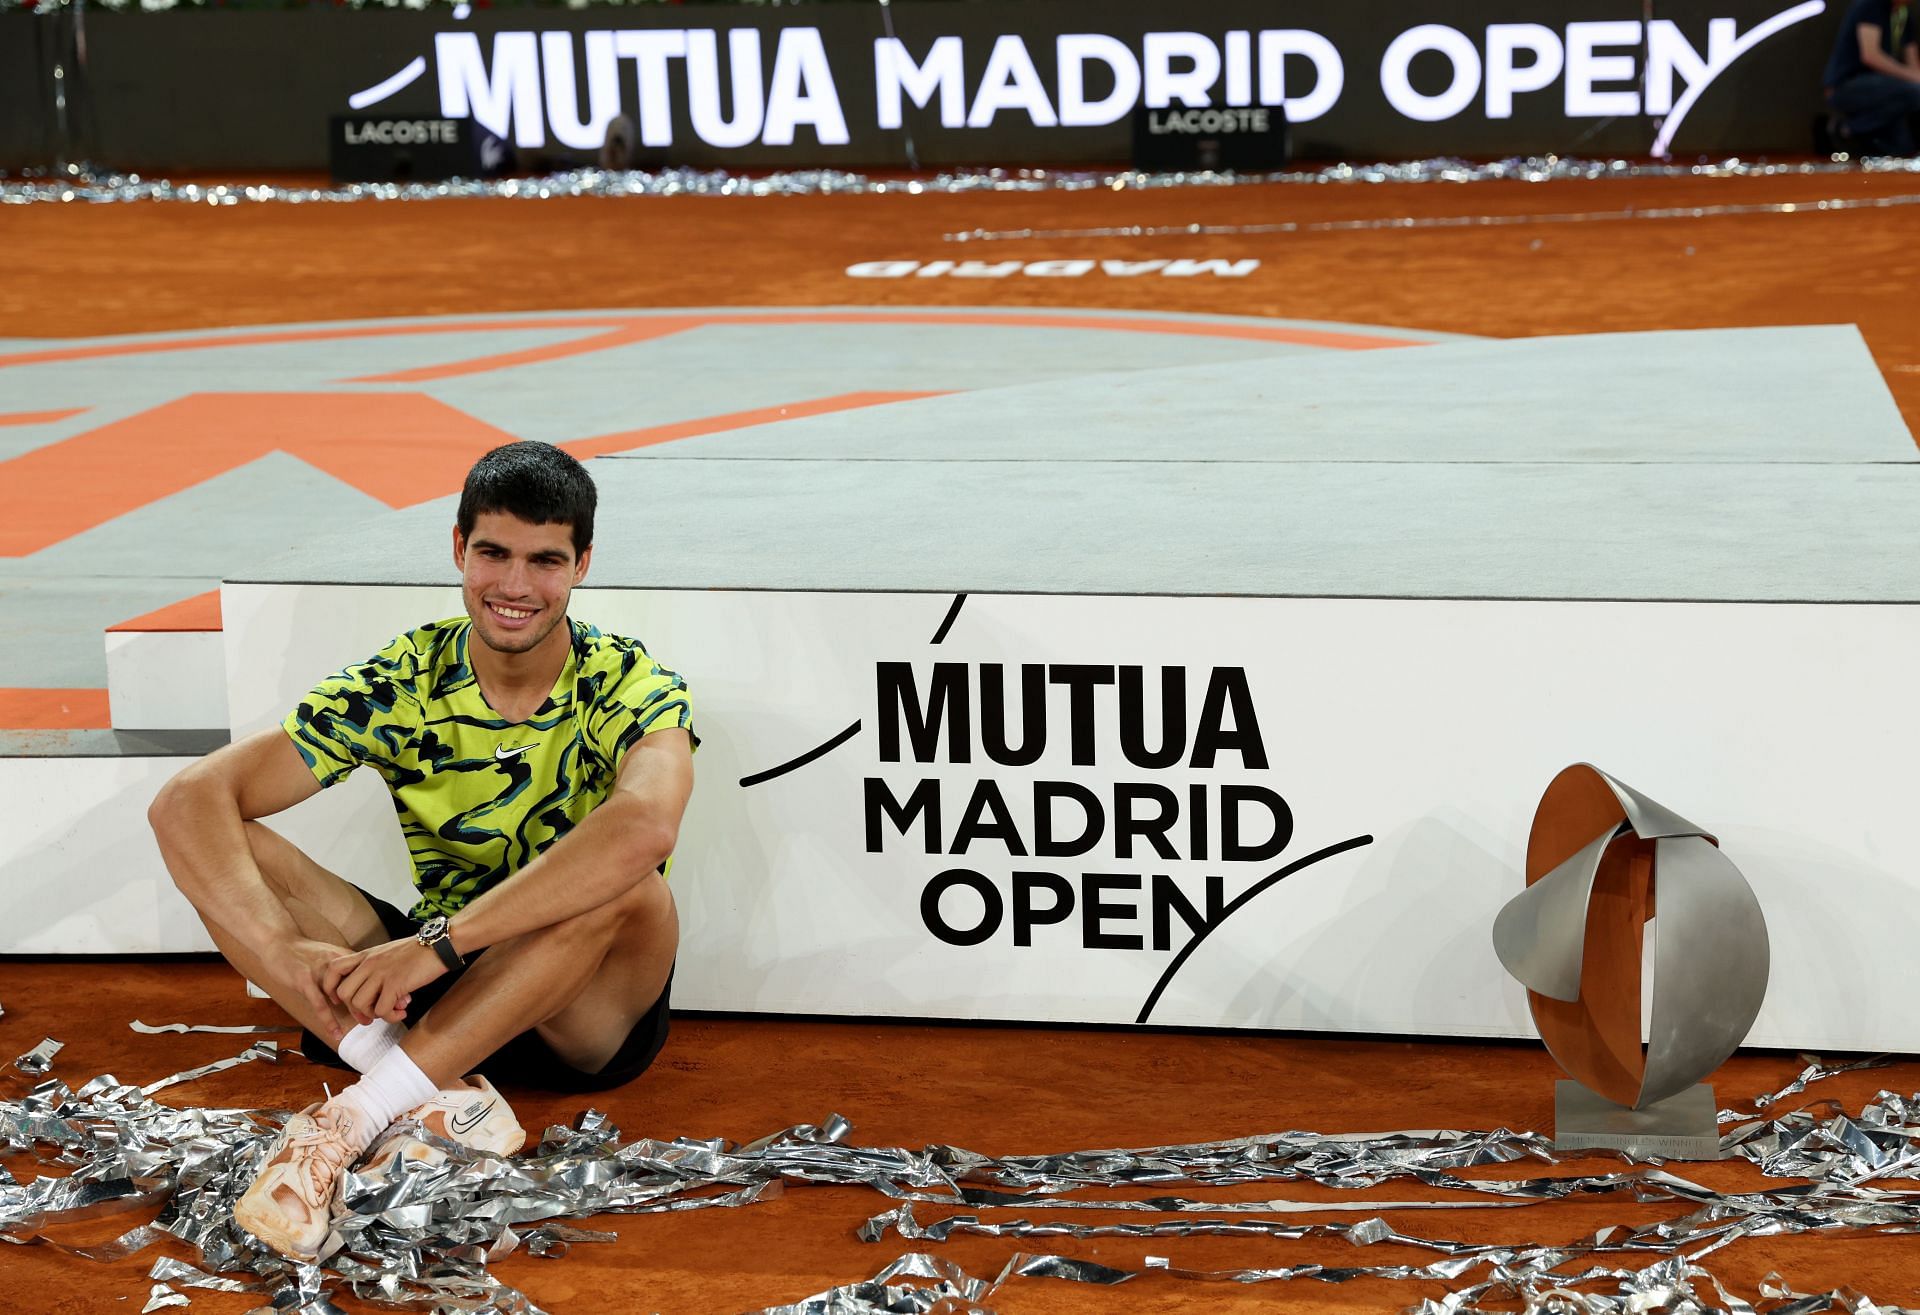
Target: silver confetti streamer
{"x":95,"y":187}
{"x":155,"y":1029}
{"x":421,"y":1235}
{"x":160,"y":1296}
{"x":1400,"y":222}
{"x":267,"y":1050}
{"x":952,"y":1291}
{"x":179,"y":1271}
{"x":902,"y":1220}
{"x":1664,"y":1285}
{"x":1815,"y":1071}
{"x":45,"y":7}
{"x":40,"y":1058}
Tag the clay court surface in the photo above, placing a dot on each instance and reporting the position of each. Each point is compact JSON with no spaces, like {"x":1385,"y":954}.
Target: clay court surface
{"x":86,"y":271}
{"x":133,"y":269}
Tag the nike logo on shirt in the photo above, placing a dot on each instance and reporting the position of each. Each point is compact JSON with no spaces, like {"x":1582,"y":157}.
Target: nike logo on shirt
{"x":503,"y":755}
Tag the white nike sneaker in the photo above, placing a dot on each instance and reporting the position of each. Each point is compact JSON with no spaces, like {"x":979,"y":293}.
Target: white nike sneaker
{"x":290,"y":1203}
{"x":470,"y":1114}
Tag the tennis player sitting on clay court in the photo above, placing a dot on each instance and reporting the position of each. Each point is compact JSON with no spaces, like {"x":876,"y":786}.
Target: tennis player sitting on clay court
{"x":539,"y":769}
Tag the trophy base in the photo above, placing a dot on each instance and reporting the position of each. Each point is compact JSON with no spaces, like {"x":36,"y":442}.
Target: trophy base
{"x":1681,"y":1127}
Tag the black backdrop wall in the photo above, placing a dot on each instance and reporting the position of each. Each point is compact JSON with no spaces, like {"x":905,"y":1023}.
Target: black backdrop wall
{"x":989,"y":82}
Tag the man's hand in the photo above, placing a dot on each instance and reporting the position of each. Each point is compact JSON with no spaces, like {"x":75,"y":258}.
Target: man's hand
{"x":378,"y":983}
{"x":307,"y":963}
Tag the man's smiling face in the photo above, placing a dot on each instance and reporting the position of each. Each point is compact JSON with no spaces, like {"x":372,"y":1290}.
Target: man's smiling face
{"x":516,"y":577}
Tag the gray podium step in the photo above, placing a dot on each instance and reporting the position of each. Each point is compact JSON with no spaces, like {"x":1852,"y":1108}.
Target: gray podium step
{"x":1699,"y":532}
{"x":1731,"y":395}
{"x":1753,"y":464}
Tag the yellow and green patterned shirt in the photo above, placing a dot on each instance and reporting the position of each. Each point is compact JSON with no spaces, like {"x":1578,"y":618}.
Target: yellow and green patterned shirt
{"x":479,"y":796}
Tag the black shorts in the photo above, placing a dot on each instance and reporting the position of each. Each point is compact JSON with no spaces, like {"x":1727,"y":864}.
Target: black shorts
{"x":527,"y":1060}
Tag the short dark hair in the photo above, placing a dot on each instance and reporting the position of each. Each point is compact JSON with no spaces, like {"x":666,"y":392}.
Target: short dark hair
{"x":536,"y":482}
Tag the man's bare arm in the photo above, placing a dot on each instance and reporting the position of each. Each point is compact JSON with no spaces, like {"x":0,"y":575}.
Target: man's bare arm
{"x":618,"y":844}
{"x":198,"y":817}
{"x":1879,"y":60}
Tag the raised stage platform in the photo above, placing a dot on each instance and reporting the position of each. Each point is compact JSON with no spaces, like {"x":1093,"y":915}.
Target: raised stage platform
{"x":1398,"y":600}
{"x":145,"y":469}
{"x":1393,"y":592}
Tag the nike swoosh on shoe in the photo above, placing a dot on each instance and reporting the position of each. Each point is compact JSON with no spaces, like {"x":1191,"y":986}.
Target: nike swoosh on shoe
{"x":464,"y":1126}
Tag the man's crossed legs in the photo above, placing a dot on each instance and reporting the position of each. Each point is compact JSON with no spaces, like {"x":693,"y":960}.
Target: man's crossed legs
{"x":564,"y":1002}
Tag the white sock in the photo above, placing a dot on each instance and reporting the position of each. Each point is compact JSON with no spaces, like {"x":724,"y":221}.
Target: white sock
{"x":366,"y":1045}
{"x":389,"y":1089}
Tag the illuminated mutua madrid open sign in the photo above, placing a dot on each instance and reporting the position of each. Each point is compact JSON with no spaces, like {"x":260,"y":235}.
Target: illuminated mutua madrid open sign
{"x":777,"y":86}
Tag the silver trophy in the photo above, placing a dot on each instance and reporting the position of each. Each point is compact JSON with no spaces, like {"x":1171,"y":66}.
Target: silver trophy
{"x":1602,"y":861}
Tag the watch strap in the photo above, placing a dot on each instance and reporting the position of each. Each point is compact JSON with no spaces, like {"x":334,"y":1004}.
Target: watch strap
{"x":438,"y":934}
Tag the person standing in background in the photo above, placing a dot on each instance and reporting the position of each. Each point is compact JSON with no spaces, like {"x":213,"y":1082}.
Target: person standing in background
{"x":1873,"y":75}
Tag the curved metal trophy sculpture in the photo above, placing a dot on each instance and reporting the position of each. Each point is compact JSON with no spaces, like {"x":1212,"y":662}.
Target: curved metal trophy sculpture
{"x":1600,"y":857}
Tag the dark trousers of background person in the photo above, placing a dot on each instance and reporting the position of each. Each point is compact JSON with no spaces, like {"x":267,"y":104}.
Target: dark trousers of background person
{"x":1878,"y":111}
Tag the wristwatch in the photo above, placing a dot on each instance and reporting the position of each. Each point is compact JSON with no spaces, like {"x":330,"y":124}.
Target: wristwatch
{"x":434,"y":935}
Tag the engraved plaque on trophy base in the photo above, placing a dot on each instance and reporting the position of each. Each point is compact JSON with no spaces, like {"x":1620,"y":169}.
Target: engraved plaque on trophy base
{"x":1681,"y":1127}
